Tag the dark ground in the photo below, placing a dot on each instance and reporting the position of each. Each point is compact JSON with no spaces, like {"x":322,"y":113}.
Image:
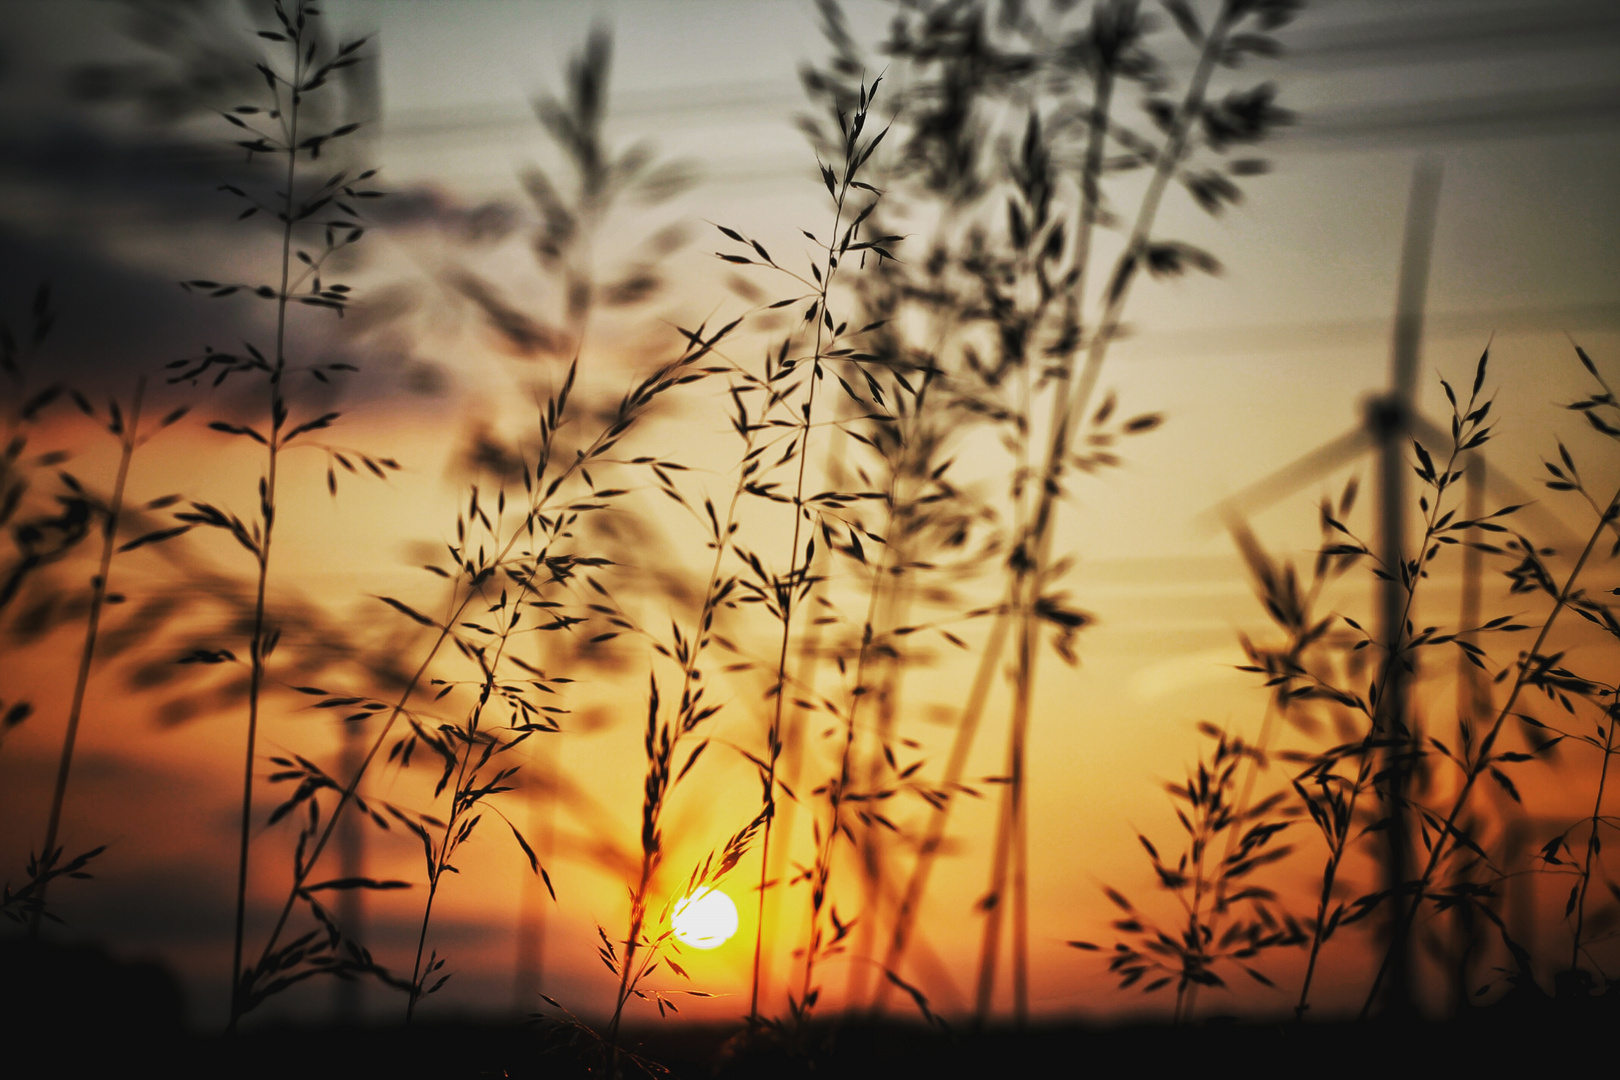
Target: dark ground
{"x":71,"y":1011}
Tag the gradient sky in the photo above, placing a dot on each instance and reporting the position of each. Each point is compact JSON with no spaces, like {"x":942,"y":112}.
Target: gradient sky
{"x":1518,"y":102}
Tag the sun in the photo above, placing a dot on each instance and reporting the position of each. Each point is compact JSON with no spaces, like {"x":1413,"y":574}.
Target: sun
{"x":705,"y":920}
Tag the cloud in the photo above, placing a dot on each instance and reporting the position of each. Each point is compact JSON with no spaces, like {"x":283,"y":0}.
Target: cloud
{"x":1168,"y":677}
{"x":114,"y":320}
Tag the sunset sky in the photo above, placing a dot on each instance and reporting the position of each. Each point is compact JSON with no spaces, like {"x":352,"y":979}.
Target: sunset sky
{"x":1517,"y":102}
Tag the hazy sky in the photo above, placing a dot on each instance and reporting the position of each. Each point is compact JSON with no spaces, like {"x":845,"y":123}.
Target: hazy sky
{"x":1517,"y":101}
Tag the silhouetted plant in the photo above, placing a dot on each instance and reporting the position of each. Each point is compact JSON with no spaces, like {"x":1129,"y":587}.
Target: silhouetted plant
{"x":1550,"y":675}
{"x":535,"y":552}
{"x":994,"y":139}
{"x":280,"y":129}
{"x":1480,"y":756}
{"x":46,"y":537}
{"x":567,"y":217}
{"x":124,"y":424}
{"x":789,"y":384}
{"x":1333,"y":783}
{"x":1293,"y":671}
{"x":473,"y":752}
{"x":1207,"y":882}
{"x":665,"y":733}
{"x":42,"y":539}
{"x":27,"y":902}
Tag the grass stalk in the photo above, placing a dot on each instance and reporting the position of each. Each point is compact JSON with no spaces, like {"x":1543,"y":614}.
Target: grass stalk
{"x":1032,"y":557}
{"x":660,"y":750}
{"x":774,"y":733}
{"x":1527,"y":667}
{"x":838,"y":792}
{"x":465,"y":589}
{"x":465,"y":796}
{"x":1592,"y":843}
{"x":967,"y":726}
{"x":1205,"y":807}
{"x":1294,"y":613}
{"x":788,"y":590}
{"x":785,"y":814}
{"x":1338,"y":817}
{"x":81,"y":679}
{"x":267,"y":511}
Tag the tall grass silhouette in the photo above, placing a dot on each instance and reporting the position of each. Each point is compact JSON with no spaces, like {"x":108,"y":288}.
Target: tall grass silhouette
{"x":912,"y":399}
{"x":41,"y":539}
{"x":1533,"y":670}
{"x":1464,"y":870}
{"x":1007,"y":290}
{"x":124,"y":424}
{"x":791,"y":382}
{"x":281,"y":129}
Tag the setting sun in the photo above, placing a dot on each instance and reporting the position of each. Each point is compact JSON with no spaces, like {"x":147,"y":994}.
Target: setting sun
{"x":706,"y":919}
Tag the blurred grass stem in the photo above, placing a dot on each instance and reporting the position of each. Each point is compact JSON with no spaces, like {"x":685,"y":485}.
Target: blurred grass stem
{"x":81,"y":680}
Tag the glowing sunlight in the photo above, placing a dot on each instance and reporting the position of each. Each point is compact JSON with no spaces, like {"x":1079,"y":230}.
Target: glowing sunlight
{"x":705,"y":920}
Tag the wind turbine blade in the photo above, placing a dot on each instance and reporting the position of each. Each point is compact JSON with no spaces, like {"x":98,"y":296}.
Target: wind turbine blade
{"x":1320,"y":462}
{"x":1414,"y":283}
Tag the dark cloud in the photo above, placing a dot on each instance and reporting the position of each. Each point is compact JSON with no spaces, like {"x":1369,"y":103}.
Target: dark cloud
{"x":1521,"y":114}
{"x":114,"y":320}
{"x":1437,"y":32}
{"x":116,"y":207}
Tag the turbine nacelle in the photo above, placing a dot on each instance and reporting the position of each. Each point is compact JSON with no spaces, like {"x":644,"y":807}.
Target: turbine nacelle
{"x":1387,"y":416}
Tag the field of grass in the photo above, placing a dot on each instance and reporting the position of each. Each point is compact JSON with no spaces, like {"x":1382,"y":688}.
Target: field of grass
{"x":795,"y":579}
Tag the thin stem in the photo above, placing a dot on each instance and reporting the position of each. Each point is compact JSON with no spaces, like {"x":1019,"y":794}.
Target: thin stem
{"x":1592,"y":845}
{"x":787,"y":597}
{"x":1018,"y":809}
{"x":961,"y":745}
{"x":98,"y":597}
{"x":653,"y":811}
{"x":1329,"y":876}
{"x":1482,"y":762}
{"x":466,"y":773}
{"x":436,"y":873}
{"x":990,"y":942}
{"x":421,"y":943}
{"x":1069,"y":411}
{"x":436,"y":868}
{"x":1377,"y":724}
{"x":638,"y":914}
{"x":1009,"y":815}
{"x":1195,"y":923}
{"x":829,"y":840}
{"x":267,"y":515}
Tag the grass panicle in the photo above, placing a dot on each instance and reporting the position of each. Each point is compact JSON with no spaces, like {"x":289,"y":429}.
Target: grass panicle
{"x":281,"y":128}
